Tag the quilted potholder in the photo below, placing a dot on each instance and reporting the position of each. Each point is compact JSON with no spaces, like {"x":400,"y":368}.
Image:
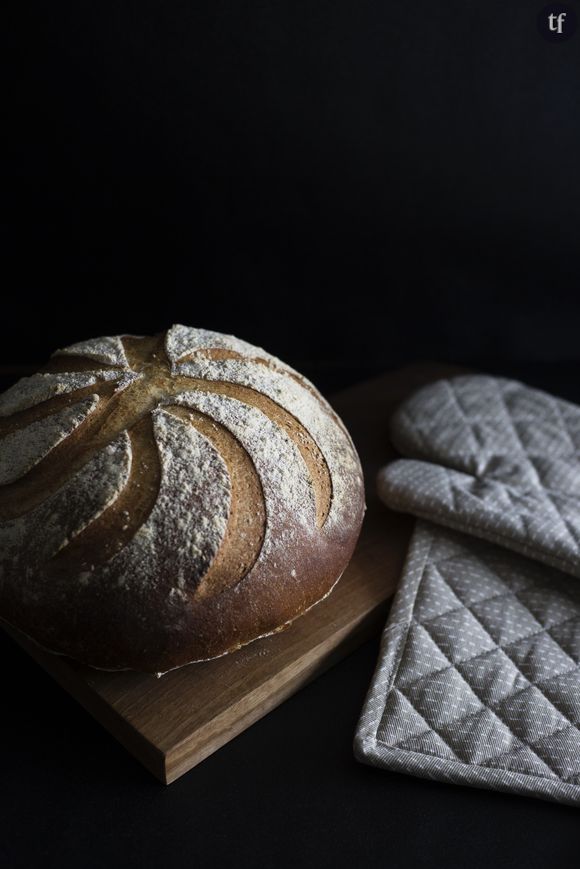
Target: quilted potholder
{"x":494,"y":458}
{"x":478,"y":680}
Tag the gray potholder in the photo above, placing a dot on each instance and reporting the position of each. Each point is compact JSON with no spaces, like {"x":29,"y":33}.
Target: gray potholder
{"x":478,"y":678}
{"x":494,"y":458}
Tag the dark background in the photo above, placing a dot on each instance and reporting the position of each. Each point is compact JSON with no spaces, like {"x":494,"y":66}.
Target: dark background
{"x":343,"y":183}
{"x":352,"y":186}
{"x":286,"y":794}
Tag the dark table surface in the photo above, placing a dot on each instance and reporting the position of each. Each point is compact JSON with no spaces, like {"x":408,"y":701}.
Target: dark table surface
{"x":286,"y":793}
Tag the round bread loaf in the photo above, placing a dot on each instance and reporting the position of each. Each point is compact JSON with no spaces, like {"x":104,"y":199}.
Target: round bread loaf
{"x":168,"y":499}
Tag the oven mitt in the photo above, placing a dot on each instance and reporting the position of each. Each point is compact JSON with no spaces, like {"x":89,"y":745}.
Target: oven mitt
{"x":494,"y":458}
{"x":478,"y":679}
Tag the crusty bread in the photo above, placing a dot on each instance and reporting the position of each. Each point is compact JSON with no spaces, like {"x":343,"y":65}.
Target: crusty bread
{"x":169,"y":499}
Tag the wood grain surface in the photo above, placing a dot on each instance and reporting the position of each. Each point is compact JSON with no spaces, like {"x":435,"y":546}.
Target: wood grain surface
{"x":172,"y":723}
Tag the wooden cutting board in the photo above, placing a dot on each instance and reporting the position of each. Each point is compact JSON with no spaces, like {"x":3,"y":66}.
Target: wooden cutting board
{"x":172,"y":723}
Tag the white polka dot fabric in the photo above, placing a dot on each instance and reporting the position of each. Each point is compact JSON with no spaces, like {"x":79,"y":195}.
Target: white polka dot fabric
{"x":494,"y":458}
{"x":478,"y":678}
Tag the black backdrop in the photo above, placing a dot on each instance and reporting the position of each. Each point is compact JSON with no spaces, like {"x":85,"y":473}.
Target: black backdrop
{"x":334,"y":181}
{"x":351,"y":185}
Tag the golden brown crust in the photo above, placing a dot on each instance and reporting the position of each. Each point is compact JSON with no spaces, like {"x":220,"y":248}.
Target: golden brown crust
{"x":244,"y":534}
{"x":210,"y":497}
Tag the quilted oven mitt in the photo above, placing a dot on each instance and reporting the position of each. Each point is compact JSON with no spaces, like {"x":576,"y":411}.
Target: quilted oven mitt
{"x":494,"y":458}
{"x":478,"y":678}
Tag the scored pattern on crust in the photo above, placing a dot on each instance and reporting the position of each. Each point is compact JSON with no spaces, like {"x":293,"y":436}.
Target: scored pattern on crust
{"x":133,"y":378}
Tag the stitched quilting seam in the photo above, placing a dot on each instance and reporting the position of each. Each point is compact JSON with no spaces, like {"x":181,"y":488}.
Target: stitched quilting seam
{"x":533,"y":742}
{"x":463,"y":607}
{"x":537,"y":513}
{"x":499,"y":717}
{"x":496,"y":648}
{"x":556,"y":407}
{"x":484,"y":705}
{"x":523,"y":453}
{"x":506,"y":724}
{"x":572,"y":531}
{"x":486,"y":765}
{"x":431,"y":726}
{"x":510,"y":424}
{"x":463,"y":415}
{"x":403,"y":644}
